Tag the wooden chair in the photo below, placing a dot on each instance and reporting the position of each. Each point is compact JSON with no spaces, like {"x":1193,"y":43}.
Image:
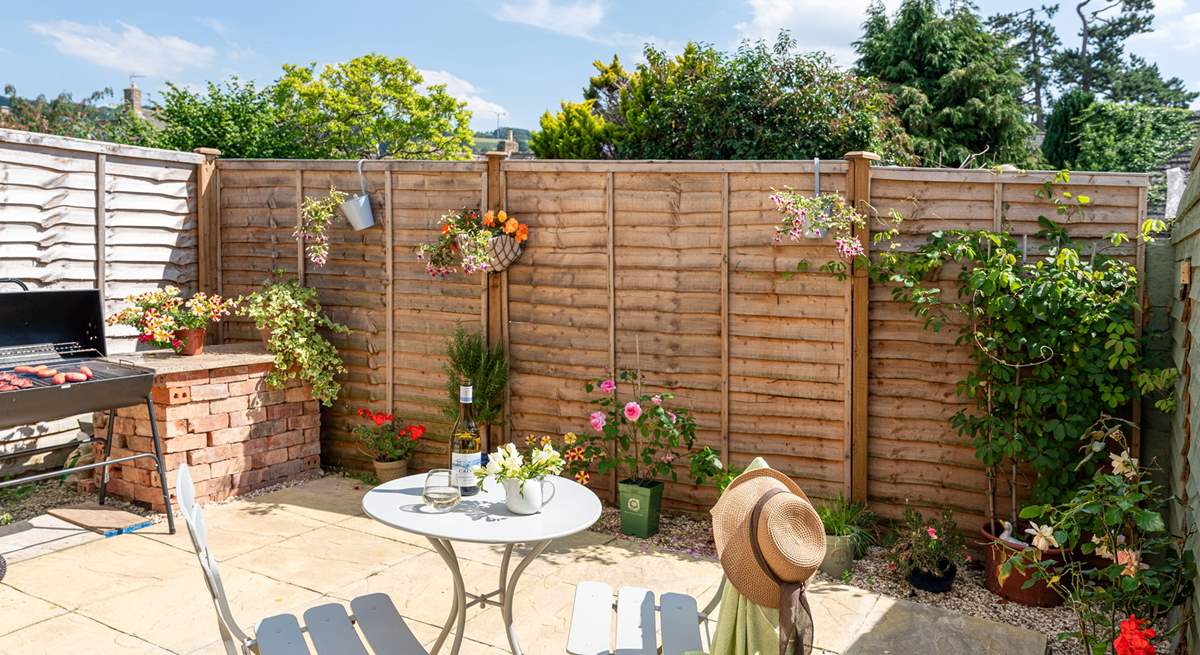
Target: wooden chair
{"x":634,"y":610}
{"x":331,"y":630}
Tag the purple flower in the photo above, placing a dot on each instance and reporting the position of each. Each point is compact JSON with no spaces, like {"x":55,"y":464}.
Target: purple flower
{"x":849,"y":248}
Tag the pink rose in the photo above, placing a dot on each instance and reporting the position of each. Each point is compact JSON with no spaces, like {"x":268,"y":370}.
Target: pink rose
{"x":931,"y":532}
{"x":633,"y":411}
{"x":671,"y":415}
{"x":656,"y":399}
{"x":598,"y":421}
{"x":608,"y":386}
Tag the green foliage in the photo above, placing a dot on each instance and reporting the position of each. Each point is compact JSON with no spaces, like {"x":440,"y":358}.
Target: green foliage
{"x":1118,"y":557}
{"x":293,"y":317}
{"x":237,"y":118}
{"x":1060,"y":148}
{"x":575,"y":132}
{"x":957,"y":86}
{"x":316,"y":214}
{"x":388,"y":438}
{"x":1053,"y":339}
{"x":759,"y":102}
{"x":1033,"y":40}
{"x":81,"y":119}
{"x":1133,"y":138}
{"x":371,"y":106}
{"x":931,"y":545}
{"x":471,"y":361}
{"x":847,"y":518}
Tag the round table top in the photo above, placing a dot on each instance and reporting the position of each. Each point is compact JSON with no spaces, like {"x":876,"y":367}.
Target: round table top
{"x":483,"y":518}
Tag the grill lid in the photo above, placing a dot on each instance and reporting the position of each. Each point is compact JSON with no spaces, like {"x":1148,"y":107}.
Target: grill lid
{"x":51,"y":320}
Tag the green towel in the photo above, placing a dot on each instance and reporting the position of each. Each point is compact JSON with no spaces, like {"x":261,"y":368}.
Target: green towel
{"x":744,"y":628}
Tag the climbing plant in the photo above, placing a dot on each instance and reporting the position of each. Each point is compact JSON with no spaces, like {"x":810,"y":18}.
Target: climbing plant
{"x":1052,"y":334}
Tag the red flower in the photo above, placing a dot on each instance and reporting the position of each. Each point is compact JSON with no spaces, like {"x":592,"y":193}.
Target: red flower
{"x":416,"y":431}
{"x":381,"y":418}
{"x":363,"y":411}
{"x":1134,"y":639}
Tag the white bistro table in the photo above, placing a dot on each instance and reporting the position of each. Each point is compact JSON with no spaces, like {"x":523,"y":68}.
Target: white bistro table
{"x":483,"y":518}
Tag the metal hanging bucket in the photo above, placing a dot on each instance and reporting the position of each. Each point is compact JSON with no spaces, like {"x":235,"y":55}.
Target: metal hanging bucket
{"x":358,"y":208}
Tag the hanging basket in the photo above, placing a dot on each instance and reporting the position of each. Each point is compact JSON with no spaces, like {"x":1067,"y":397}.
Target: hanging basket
{"x":505,"y":252}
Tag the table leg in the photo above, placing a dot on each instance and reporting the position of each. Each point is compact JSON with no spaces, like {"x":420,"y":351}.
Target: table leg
{"x":510,"y":589}
{"x":458,"y":614}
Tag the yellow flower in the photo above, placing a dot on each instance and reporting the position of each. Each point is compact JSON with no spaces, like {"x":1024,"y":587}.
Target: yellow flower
{"x":546,"y":441}
{"x":570,"y":438}
{"x":511,"y":226}
{"x":503,"y":216}
{"x":582,"y":477}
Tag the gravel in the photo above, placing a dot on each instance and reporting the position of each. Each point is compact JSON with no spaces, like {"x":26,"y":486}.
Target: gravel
{"x":27,"y":501}
{"x":691,"y":534}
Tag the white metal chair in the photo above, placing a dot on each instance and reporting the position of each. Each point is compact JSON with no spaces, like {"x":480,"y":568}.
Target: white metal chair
{"x":331,"y":630}
{"x":633,"y":609}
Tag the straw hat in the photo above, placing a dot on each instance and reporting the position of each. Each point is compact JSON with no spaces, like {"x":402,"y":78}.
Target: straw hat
{"x":790,"y":535}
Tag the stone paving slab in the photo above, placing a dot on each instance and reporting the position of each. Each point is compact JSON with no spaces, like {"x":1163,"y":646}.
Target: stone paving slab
{"x":305,"y":545}
{"x":41,"y":535}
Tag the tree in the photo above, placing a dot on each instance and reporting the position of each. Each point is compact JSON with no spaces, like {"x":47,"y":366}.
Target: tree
{"x":1115,"y":136}
{"x":237,"y":118}
{"x":1060,"y":148}
{"x":1099,"y":65}
{"x":372,"y":106}
{"x":1034,"y":42}
{"x":759,"y":102}
{"x":575,"y":132}
{"x":81,"y":119}
{"x":957,"y":86}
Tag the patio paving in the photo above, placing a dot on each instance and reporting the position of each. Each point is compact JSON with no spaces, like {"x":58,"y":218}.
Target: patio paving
{"x":308,"y":544}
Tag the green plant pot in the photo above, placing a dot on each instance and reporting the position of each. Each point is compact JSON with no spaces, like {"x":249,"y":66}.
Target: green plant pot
{"x":641,"y":503}
{"x":839,"y":555}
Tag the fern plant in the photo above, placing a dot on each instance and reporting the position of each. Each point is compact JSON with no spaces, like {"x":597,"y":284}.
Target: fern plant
{"x":486,"y":369}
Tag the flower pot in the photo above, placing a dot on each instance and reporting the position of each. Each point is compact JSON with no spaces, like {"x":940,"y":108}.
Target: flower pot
{"x":811,"y":231}
{"x":938,"y":583}
{"x":839,"y":555}
{"x":387,"y":471}
{"x":527,"y":496}
{"x":193,"y":341}
{"x":505,"y":252}
{"x":357,"y":209}
{"x":996,"y":553}
{"x":641,"y":502}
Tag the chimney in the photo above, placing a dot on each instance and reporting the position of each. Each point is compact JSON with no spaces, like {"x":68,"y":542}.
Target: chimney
{"x":133,"y":98}
{"x":510,"y":144}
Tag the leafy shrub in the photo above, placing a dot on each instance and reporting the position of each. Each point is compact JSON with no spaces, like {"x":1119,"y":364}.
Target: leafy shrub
{"x":1060,"y":148}
{"x":472,"y":362}
{"x":847,"y":518}
{"x":932,"y":545}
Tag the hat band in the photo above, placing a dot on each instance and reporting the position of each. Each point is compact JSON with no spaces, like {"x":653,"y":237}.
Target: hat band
{"x":791,"y":594}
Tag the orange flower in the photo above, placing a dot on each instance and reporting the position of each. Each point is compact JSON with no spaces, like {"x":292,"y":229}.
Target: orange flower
{"x":510,"y":226}
{"x":446,"y":228}
{"x":522,"y":232}
{"x":489,"y":219}
{"x":582,"y":477}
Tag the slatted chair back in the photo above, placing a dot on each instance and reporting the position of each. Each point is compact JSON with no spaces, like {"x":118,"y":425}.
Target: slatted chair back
{"x":236,"y":641}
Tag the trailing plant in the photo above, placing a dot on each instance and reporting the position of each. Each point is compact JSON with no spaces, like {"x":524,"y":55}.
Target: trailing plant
{"x":1053,"y":341}
{"x":1118,"y":558}
{"x":471,"y":361}
{"x":387,"y":438}
{"x":812,"y":217}
{"x":316,"y":214}
{"x":292,"y":317}
{"x":847,"y":518}
{"x":160,"y":314}
{"x":932,"y":545}
{"x":465,"y":240}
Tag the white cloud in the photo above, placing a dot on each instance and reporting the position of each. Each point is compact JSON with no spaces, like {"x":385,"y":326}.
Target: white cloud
{"x":577,"y":18}
{"x":1175,"y":34}
{"x":130,"y":50}
{"x":214,"y":24}
{"x":829,"y":25}
{"x":482,"y":110}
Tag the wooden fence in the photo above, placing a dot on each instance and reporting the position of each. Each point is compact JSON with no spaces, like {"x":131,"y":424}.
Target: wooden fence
{"x":74,"y":213}
{"x":664,"y":265}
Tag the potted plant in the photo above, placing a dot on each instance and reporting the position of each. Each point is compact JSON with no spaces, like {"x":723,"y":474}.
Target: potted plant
{"x":927,"y":553}
{"x":847,"y":534}
{"x":316,"y":214}
{"x":648,"y":437}
{"x":291,"y":318}
{"x":388,"y":441}
{"x":468,"y":357}
{"x":163,"y":318}
{"x":489,"y":243}
{"x":526,"y":489}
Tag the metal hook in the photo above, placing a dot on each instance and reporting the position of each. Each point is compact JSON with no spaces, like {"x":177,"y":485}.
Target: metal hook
{"x":816,"y":176}
{"x":362,"y":180}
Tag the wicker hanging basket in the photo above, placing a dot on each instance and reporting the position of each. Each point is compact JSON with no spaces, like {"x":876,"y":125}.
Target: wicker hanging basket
{"x":505,"y":252}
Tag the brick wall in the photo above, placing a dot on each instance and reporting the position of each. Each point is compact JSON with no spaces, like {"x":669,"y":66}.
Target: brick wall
{"x":235,"y":433}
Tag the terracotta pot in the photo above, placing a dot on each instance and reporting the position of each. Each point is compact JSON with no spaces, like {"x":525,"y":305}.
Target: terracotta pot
{"x":193,"y":341}
{"x":387,"y":471}
{"x":996,"y":553}
{"x":933,"y":582}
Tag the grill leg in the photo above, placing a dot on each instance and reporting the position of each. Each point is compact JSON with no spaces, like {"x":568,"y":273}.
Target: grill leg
{"x":162,"y":472}
{"x":108,"y":428}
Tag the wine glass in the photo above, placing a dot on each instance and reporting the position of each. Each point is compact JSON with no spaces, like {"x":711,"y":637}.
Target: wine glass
{"x":440,"y":492}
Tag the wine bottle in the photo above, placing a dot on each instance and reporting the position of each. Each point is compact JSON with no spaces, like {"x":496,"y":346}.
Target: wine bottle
{"x":465,"y":452}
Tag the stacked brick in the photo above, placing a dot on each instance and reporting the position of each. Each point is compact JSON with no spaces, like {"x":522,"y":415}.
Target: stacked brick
{"x":235,"y":433}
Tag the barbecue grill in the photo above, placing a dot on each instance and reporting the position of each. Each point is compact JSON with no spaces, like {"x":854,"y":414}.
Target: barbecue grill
{"x":54,"y":364}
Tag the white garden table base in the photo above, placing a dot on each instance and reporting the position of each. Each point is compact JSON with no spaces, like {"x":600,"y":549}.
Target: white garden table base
{"x":483,"y":518}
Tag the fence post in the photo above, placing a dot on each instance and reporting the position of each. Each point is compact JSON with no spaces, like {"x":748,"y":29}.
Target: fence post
{"x":858,"y":193}
{"x":496,"y":284}
{"x":206,"y":219}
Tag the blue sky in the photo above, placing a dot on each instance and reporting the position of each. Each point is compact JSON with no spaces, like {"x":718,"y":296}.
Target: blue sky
{"x":513,"y":57}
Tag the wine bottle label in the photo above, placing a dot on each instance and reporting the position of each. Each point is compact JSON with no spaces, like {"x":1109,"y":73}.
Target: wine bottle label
{"x":464,"y":465}
{"x":465,"y":394}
